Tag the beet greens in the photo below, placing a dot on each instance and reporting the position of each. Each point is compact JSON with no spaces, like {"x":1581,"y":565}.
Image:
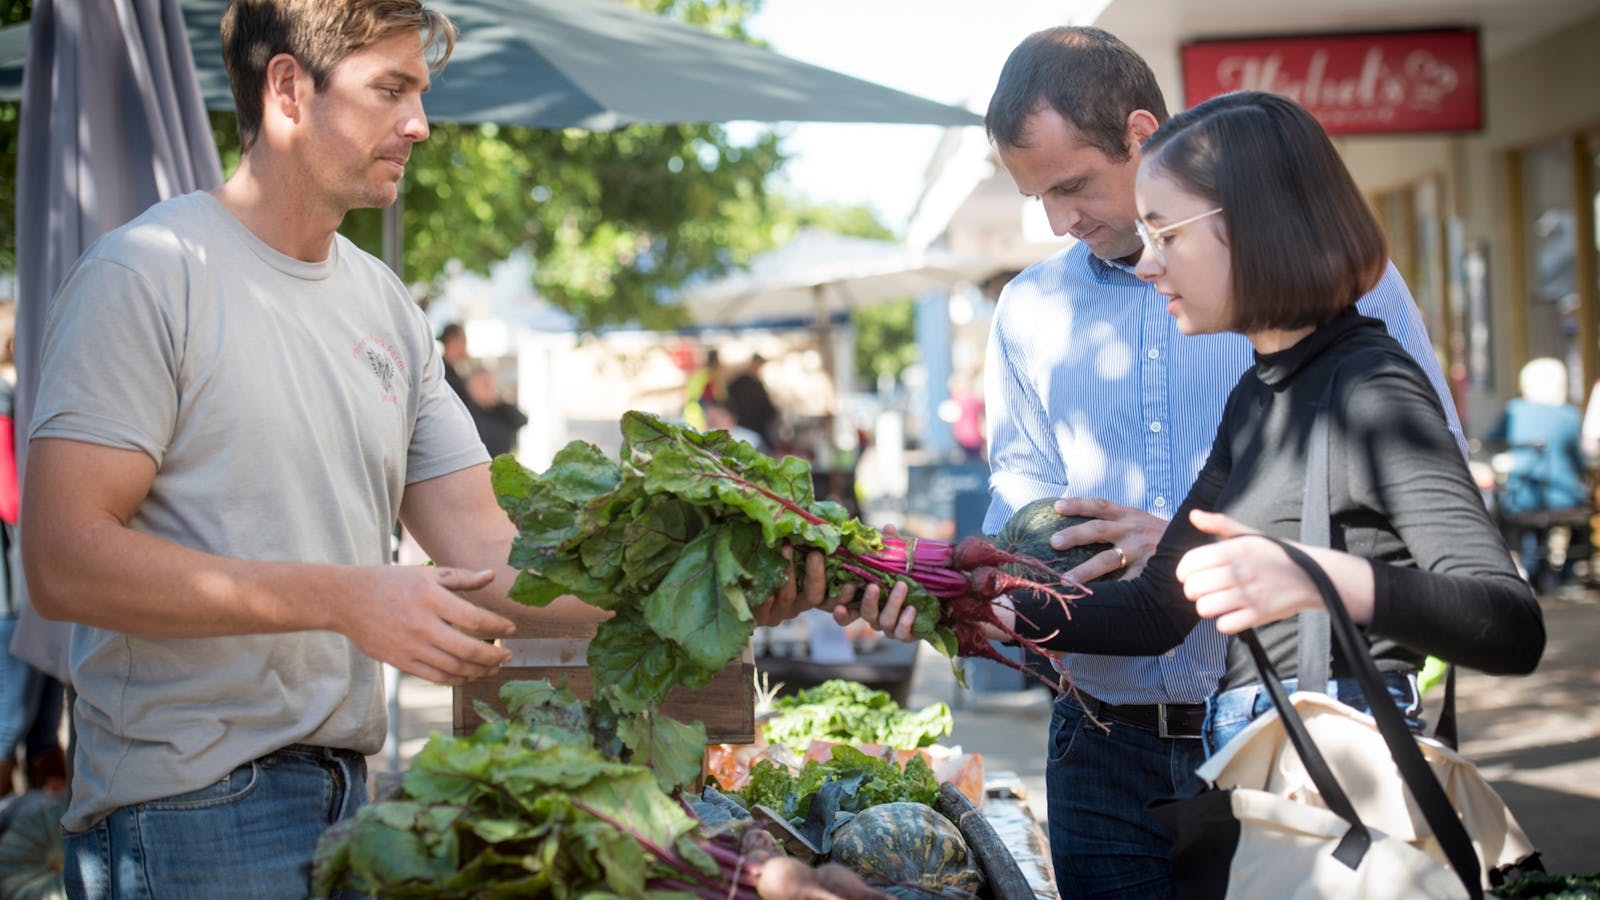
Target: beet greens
{"x":549,"y":800}
{"x":682,"y":537}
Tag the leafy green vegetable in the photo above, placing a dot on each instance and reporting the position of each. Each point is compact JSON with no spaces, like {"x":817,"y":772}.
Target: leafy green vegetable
{"x":684,"y":535}
{"x":849,"y":712}
{"x":1551,"y":887}
{"x":530,"y":804}
{"x":682,"y":538}
{"x":868,"y":781}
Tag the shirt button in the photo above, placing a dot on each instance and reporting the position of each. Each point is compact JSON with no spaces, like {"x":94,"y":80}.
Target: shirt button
{"x":1153,"y":353}
{"x":1172,"y":654}
{"x":1161,"y":502}
{"x":1155,"y":426}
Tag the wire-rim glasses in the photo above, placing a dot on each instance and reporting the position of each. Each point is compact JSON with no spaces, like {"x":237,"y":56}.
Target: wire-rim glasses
{"x":1148,"y":235}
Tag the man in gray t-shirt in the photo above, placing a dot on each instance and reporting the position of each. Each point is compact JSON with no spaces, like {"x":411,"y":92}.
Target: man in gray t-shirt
{"x":236,"y":406}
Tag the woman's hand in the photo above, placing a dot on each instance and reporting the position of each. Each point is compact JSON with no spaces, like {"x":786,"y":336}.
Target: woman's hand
{"x":1245,"y":580}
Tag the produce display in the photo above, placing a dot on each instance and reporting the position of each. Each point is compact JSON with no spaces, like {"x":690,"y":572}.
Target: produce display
{"x":686,"y":532}
{"x":848,"y":712}
{"x":680,"y":538}
{"x":559,"y":798}
{"x":823,"y":794}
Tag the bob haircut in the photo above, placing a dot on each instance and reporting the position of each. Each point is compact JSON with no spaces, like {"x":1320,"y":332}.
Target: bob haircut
{"x":1302,"y":242}
{"x":1091,"y":78}
{"x":317,"y":33}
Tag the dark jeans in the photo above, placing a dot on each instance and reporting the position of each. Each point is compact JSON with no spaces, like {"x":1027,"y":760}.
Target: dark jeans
{"x":251,"y":834}
{"x":1098,"y":783}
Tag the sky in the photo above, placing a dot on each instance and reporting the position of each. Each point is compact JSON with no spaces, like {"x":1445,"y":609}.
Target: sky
{"x":946,"y":50}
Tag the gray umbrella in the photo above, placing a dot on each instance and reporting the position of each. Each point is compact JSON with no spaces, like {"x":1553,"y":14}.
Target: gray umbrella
{"x":820,"y":274}
{"x":596,"y":64}
{"x":112,"y":122}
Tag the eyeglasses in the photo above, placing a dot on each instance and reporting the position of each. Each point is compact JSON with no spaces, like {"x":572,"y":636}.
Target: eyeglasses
{"x":1148,"y":235}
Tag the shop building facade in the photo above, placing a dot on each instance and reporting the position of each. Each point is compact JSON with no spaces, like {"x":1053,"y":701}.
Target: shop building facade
{"x":1493,"y":225}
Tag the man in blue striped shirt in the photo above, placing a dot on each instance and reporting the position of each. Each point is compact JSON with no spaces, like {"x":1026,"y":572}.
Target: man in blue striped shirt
{"x":1094,"y":396}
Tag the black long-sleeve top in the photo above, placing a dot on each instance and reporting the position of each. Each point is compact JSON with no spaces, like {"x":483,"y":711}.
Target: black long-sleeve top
{"x":1399,"y":495}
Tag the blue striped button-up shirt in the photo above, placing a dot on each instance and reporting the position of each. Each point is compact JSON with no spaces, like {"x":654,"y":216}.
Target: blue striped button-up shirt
{"x":1091,"y":391}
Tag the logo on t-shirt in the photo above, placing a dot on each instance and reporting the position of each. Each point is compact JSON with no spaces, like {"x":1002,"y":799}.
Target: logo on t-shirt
{"x":385,"y":362}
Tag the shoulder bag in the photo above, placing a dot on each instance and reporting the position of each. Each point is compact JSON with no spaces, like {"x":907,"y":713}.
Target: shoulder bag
{"x":1315,"y":799}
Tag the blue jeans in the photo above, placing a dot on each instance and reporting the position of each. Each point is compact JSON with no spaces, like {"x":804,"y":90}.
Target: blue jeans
{"x":1229,"y":712}
{"x":1102,"y":842}
{"x":251,"y":834}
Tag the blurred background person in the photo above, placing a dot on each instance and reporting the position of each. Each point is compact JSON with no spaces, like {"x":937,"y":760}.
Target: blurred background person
{"x":752,"y":406}
{"x":30,"y":700}
{"x":1589,"y":438}
{"x":453,"y":349}
{"x":498,"y":419}
{"x":966,"y":416}
{"x":703,"y":385}
{"x":720,"y":418}
{"x":1542,"y":470}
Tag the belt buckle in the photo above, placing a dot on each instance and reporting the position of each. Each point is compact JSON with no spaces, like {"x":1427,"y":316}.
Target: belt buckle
{"x":1161,"y":726}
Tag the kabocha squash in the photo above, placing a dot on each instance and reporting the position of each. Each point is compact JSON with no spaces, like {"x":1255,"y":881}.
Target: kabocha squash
{"x":907,"y":843}
{"x":31,"y":854}
{"x":1027,"y":533}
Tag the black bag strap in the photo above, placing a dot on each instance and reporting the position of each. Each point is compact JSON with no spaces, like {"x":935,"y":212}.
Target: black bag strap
{"x":1414,"y":769}
{"x":1353,"y":846}
{"x":1445,"y":732}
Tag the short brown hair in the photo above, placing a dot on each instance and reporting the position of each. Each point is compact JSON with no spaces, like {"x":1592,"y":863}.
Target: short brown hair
{"x":317,"y":33}
{"x":1091,"y":78}
{"x":1303,"y":244}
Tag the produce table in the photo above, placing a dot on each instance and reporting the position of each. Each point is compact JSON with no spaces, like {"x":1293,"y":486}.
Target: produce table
{"x":559,"y":652}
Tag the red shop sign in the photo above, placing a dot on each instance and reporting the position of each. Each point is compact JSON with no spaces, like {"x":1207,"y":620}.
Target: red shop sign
{"x":1353,"y":83}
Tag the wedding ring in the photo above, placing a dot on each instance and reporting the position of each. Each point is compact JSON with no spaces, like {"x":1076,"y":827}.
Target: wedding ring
{"x":1122,"y":558}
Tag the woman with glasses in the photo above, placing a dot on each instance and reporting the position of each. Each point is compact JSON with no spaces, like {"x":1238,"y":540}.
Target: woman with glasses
{"x":1252,"y":224}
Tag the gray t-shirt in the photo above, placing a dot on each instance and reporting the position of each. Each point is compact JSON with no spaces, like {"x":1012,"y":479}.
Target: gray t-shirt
{"x":287,"y":405}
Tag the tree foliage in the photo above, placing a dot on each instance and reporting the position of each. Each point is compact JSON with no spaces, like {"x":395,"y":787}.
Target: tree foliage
{"x":11,"y":12}
{"x":616,"y":222}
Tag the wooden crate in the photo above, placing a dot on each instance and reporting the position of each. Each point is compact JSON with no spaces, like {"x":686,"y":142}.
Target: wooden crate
{"x":726,"y":705}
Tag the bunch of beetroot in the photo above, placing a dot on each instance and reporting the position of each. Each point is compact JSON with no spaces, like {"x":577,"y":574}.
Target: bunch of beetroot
{"x":683,"y":536}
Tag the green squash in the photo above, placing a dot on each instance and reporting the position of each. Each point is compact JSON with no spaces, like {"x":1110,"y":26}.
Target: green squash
{"x":31,"y":853}
{"x":907,"y":843}
{"x":1027,"y":533}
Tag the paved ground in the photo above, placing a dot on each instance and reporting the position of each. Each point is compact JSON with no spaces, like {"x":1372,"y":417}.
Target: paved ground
{"x":1536,"y":738}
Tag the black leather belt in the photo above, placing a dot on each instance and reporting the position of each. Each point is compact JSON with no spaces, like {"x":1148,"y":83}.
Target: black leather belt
{"x":320,"y":753}
{"x":1168,"y":720}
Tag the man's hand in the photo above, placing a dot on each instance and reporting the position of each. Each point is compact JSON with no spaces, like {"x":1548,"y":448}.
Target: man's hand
{"x":796,"y":596}
{"x":894,"y":618}
{"x":416,"y":619}
{"x":1133,"y":532}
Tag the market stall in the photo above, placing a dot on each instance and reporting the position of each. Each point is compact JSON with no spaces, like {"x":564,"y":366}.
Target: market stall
{"x":549,"y":790}
{"x":602,"y":781}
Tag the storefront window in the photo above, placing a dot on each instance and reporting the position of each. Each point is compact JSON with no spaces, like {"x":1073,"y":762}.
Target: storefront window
{"x":1592,"y":148}
{"x":1413,"y":220}
{"x":1549,"y":230}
